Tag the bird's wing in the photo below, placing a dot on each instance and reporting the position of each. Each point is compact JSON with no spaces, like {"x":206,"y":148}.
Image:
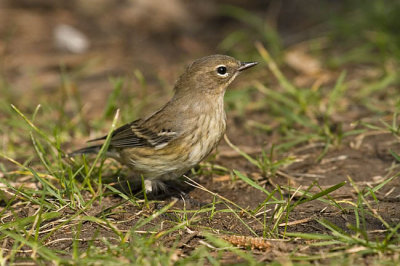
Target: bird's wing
{"x":135,"y":134}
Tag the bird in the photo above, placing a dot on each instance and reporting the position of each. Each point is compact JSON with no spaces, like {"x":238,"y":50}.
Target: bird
{"x":177,"y":137}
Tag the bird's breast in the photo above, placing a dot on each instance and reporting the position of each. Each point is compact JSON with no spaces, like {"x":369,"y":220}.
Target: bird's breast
{"x":208,"y":130}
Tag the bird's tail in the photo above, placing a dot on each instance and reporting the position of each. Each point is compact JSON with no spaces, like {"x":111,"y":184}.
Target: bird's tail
{"x":94,"y":150}
{"x":87,"y":150}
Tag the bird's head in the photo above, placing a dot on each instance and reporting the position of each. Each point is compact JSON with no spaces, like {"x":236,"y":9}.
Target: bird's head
{"x":210,"y":75}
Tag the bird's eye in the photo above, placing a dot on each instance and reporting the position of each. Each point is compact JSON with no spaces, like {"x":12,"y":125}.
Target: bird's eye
{"x":221,"y":70}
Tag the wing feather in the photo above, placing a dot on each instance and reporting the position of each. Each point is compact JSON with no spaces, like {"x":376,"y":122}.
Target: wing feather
{"x":135,"y":134}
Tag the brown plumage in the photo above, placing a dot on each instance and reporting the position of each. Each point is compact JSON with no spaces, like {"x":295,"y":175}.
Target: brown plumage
{"x":182,"y":133}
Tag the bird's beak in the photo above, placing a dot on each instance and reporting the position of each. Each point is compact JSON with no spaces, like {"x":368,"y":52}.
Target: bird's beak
{"x":246,"y":65}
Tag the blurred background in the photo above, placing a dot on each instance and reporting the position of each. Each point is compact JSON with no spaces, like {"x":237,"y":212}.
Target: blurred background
{"x":77,"y":49}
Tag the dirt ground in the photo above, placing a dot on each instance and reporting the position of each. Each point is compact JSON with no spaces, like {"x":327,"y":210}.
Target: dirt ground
{"x":120,"y":43}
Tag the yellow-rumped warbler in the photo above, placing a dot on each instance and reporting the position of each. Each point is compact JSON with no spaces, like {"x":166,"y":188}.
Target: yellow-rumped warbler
{"x":176,"y":138}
